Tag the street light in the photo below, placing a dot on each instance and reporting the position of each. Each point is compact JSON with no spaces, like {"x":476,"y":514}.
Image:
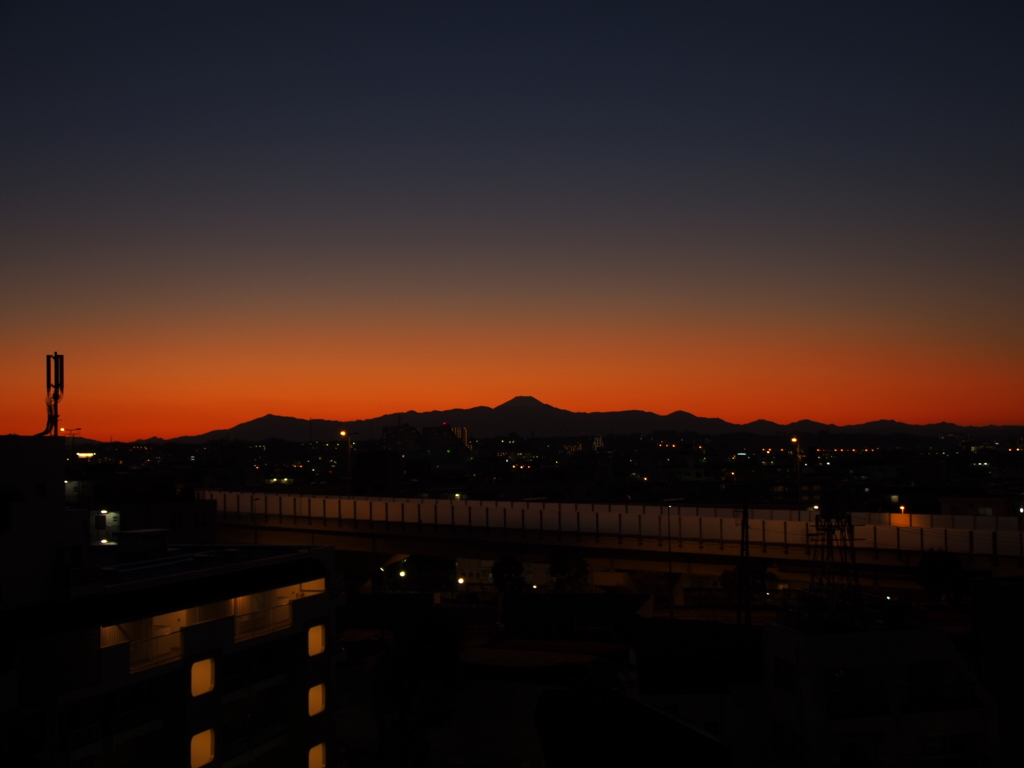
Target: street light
{"x":72,"y":433}
{"x":348,"y":462}
{"x":796,"y":445}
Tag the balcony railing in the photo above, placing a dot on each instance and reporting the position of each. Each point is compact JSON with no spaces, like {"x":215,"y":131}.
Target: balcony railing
{"x":158,"y":639}
{"x":155,"y":651}
{"x":113,"y":635}
{"x":258,"y":623}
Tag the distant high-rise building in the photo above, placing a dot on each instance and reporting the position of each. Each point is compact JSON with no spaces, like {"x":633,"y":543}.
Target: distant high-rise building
{"x":446,"y":436}
{"x":403,"y":438}
{"x":462,"y":433}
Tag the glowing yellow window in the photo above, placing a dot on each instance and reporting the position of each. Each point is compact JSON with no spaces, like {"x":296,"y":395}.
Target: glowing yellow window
{"x":317,"y":640}
{"x":318,"y":756}
{"x":202,"y":748}
{"x":317,"y":699}
{"x":202,"y":677}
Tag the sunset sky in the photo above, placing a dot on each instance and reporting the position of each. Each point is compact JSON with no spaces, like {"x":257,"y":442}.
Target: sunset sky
{"x":341,"y":210}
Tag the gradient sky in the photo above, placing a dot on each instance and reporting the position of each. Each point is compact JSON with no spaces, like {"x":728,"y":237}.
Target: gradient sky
{"x":340,"y":210}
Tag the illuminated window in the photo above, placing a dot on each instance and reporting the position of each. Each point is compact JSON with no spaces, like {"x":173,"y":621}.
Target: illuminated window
{"x":317,"y":699}
{"x":202,"y":677}
{"x":318,"y":756}
{"x":316,"y":640}
{"x":202,"y":748}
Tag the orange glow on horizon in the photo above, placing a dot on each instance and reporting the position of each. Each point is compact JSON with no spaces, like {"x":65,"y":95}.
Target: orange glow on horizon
{"x":355,"y":226}
{"x":169,"y":371}
{"x":185,"y":398}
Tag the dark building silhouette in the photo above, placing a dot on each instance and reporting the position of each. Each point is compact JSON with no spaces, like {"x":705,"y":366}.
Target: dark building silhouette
{"x":141,"y":653}
{"x":119,"y":602}
{"x":875,"y":698}
{"x":446,"y":437}
{"x":403,"y":438}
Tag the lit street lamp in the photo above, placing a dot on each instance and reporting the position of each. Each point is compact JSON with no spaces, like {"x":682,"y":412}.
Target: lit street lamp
{"x":348,"y":462}
{"x":799,"y":456}
{"x":72,"y":433}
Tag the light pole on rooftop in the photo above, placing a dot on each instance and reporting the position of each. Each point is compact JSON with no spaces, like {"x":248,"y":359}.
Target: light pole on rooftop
{"x":796,"y":445}
{"x":348,"y":462}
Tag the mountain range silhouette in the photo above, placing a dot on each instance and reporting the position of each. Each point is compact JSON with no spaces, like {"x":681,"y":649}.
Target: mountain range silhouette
{"x":529,"y":417}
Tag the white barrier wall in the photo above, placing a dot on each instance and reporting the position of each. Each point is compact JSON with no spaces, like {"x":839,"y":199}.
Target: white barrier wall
{"x":962,"y":534}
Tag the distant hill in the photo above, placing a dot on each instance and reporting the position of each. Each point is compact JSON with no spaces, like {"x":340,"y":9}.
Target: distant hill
{"x":529,"y":417}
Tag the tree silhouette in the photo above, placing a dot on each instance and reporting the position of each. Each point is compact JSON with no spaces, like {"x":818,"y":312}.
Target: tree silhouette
{"x":507,"y":575}
{"x":569,"y":572}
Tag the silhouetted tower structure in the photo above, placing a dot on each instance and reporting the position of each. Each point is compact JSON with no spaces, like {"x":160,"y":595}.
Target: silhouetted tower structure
{"x":54,"y":392}
{"x":834,"y":579}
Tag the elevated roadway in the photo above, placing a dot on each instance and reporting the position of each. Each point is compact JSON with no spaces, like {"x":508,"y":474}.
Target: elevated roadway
{"x":623,"y":536}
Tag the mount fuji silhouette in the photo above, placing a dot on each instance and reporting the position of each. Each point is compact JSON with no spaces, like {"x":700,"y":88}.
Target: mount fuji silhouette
{"x":529,"y":417}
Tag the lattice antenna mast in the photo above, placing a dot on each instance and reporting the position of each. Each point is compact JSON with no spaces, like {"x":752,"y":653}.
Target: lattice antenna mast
{"x":54,"y":392}
{"x":834,"y":576}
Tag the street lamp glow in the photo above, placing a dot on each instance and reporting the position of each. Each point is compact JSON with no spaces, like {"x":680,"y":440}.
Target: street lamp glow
{"x":343,"y":433}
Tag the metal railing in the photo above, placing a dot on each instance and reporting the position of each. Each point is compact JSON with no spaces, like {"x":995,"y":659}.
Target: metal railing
{"x":258,"y":623}
{"x":146,"y":654}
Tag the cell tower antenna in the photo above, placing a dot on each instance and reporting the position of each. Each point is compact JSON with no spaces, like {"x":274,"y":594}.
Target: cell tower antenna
{"x":54,"y":393}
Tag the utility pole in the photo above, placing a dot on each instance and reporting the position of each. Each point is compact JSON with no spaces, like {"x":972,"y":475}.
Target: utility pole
{"x":348,"y":462}
{"x":671,"y":590}
{"x":72,"y":434}
{"x":744,"y":597}
{"x":799,"y":458}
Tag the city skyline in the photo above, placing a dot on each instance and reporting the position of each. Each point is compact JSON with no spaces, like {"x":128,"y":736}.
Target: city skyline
{"x":337,"y":213}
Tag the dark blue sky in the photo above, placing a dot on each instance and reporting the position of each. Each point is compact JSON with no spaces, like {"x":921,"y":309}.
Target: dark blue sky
{"x":581,"y":162}
{"x":424,"y":97}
